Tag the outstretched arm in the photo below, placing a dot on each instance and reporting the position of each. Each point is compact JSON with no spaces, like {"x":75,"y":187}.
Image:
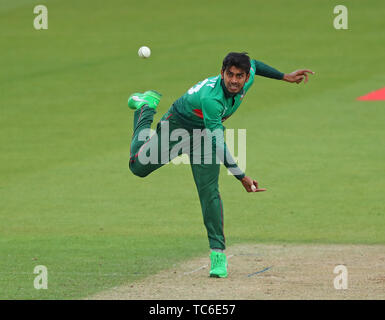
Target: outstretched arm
{"x":297,"y":76}
{"x":264,"y":70}
{"x":212,"y":116}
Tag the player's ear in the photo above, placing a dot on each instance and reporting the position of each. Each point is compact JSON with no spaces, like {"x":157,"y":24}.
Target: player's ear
{"x":222,"y":73}
{"x":248,"y":77}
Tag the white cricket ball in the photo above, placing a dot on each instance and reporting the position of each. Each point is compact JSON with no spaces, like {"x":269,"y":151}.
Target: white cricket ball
{"x":253,"y":188}
{"x":144,"y":52}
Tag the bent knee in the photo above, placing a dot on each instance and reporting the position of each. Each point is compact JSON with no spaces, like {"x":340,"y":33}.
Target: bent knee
{"x":137,"y":170}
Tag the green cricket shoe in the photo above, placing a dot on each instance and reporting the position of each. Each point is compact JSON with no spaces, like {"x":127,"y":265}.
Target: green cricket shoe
{"x":218,"y":265}
{"x":137,"y":100}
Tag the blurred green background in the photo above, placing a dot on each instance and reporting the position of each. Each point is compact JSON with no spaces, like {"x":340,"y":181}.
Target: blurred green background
{"x":67,"y":199}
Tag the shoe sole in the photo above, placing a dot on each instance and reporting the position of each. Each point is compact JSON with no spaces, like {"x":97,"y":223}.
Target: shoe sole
{"x":217,"y":276}
{"x":140,"y":97}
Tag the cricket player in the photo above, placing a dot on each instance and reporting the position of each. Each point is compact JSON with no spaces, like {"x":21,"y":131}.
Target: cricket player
{"x":204,"y":106}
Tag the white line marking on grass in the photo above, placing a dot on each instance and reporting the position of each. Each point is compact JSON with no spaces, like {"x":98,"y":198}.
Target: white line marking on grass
{"x":204,"y":266}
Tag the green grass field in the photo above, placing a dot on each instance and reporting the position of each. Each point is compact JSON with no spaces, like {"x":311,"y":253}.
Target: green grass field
{"x":67,"y":198}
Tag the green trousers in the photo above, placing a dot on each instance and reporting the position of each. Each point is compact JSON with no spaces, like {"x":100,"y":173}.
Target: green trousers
{"x":163,"y":149}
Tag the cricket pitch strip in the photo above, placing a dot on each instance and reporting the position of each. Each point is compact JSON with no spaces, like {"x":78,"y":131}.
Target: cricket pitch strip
{"x":266,"y":272}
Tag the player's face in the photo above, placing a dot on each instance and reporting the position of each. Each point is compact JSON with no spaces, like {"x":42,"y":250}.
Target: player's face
{"x":234,"y":79}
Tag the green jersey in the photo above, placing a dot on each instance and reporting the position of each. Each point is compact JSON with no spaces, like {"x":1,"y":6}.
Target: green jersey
{"x":208,"y":105}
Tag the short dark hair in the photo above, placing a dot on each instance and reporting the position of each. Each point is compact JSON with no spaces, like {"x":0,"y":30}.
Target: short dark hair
{"x":237,"y":59}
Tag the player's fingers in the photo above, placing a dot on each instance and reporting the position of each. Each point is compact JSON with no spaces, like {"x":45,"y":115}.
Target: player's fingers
{"x":307,"y":70}
{"x":260,"y":190}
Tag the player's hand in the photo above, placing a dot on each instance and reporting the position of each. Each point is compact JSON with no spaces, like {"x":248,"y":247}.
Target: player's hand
{"x":297,"y":76}
{"x":251,"y":185}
